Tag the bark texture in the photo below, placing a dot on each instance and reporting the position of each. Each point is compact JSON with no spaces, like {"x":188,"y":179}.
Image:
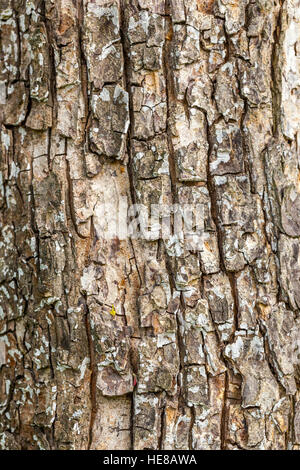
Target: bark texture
{"x":161,"y":101}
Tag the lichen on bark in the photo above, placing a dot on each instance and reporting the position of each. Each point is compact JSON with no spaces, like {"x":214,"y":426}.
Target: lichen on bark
{"x":135,"y":343}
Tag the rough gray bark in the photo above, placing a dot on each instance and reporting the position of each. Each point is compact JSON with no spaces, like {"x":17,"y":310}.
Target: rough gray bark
{"x":160,"y":101}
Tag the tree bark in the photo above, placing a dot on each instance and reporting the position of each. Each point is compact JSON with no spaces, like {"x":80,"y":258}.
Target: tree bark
{"x":147,"y":344}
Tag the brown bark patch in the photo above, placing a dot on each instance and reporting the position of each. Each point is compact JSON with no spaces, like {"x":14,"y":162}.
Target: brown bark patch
{"x":205,"y":6}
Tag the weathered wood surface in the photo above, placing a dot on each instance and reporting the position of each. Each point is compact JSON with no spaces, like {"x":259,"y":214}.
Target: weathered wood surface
{"x":160,"y":101}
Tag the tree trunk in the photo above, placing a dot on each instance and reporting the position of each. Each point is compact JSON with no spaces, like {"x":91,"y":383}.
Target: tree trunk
{"x":110,"y":342}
